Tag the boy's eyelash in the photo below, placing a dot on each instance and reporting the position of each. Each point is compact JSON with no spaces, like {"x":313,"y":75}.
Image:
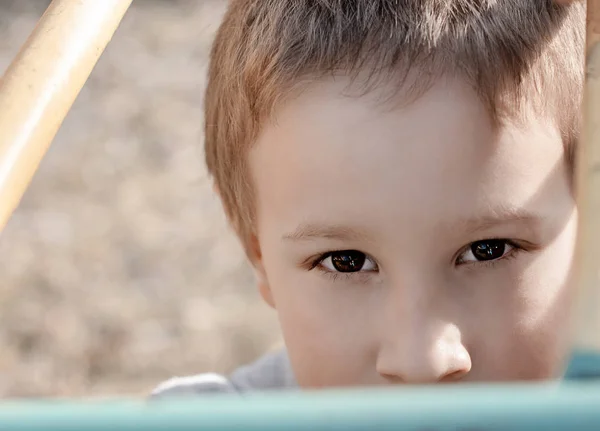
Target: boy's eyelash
{"x":491,"y":263}
{"x":314,"y":263}
{"x":335,"y":276}
{"x":517,"y":249}
{"x":355,"y":277}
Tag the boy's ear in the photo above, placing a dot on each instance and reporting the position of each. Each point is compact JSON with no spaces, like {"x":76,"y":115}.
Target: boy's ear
{"x":259,"y":270}
{"x":263,"y":286}
{"x":255,"y":256}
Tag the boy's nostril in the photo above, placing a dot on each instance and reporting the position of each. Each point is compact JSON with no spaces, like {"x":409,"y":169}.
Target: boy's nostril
{"x":454,"y":376}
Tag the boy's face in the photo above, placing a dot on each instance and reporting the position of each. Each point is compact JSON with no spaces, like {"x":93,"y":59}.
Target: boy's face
{"x":414,"y":244}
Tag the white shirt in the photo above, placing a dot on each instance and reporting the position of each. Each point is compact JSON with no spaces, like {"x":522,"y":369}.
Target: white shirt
{"x":271,"y":372}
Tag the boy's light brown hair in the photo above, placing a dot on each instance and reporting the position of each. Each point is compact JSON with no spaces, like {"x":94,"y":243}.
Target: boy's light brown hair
{"x":517,"y":54}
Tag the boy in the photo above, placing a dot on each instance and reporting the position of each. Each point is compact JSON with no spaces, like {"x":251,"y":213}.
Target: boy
{"x":399,"y":173}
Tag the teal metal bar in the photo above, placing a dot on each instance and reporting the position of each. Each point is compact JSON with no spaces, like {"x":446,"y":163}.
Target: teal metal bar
{"x":584,"y":365}
{"x":568,"y":406}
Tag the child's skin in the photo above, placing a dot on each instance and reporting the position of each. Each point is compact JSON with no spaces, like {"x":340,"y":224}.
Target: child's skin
{"x":401,"y":241}
{"x":404,"y":194}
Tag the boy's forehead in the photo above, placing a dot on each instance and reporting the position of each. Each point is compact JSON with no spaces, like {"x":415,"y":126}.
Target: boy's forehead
{"x":330,"y":155}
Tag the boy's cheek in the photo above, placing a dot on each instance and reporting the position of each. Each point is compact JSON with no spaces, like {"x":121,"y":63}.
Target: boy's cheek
{"x":521,"y":357}
{"x":526,"y":337}
{"x":532,"y":347}
{"x":337,"y":344}
{"x":328,"y":329}
{"x":328,"y":345}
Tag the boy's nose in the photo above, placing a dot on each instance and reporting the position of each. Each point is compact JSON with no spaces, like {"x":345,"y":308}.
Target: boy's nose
{"x":423,"y":357}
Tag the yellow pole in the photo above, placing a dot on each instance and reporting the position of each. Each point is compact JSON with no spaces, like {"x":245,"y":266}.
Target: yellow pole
{"x":587,"y":265}
{"x":41,"y":84}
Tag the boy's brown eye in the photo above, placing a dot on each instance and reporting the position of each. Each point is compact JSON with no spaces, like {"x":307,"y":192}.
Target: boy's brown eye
{"x":348,"y":261}
{"x":488,"y":249}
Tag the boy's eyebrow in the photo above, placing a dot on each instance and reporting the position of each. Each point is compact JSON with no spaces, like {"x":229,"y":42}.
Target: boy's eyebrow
{"x":499,"y":217}
{"x":310,"y":231}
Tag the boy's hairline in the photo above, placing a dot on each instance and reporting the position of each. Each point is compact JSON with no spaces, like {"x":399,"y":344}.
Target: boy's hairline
{"x":269,"y":91}
{"x":511,"y":111}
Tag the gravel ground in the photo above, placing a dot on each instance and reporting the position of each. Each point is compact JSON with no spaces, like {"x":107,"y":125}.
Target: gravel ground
{"x":118,"y":269}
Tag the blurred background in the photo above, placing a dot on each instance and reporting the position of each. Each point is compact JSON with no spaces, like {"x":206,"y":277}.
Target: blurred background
{"x":118,"y":270}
